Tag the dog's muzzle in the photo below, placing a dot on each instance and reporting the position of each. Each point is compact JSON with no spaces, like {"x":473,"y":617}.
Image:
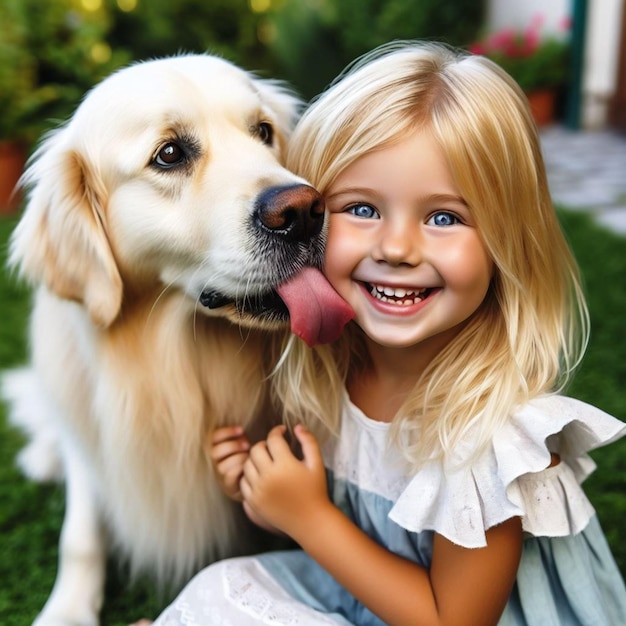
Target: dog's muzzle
{"x":294,"y":213}
{"x":286,"y":226}
{"x":287,"y":223}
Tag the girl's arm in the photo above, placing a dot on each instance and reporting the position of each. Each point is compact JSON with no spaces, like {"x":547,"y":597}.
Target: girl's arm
{"x":463,"y":586}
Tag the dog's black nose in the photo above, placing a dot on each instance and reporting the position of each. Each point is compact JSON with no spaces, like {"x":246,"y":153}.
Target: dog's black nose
{"x":295,"y":213}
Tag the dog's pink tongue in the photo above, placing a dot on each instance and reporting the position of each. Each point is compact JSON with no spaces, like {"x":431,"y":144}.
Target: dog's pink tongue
{"x":318,"y":313}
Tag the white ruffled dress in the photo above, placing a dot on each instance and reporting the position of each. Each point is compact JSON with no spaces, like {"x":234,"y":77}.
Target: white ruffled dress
{"x":567,"y":575}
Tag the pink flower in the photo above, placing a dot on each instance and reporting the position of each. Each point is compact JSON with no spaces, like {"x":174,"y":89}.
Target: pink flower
{"x":502,"y":39}
{"x":533,"y":58}
{"x":537,"y":22}
{"x":516,"y":44}
{"x":531,"y":41}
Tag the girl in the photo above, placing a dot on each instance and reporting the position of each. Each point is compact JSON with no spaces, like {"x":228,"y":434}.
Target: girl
{"x":441,"y":485}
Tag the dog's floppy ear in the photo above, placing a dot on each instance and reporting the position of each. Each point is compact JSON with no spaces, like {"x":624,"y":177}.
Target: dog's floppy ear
{"x":61,"y":239}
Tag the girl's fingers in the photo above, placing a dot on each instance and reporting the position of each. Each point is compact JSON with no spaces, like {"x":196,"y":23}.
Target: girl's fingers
{"x":245,"y":489}
{"x":310,"y":447}
{"x":259,"y":455}
{"x":232,"y":463}
{"x":226,"y":432}
{"x":276,"y":442}
{"x":250,"y":472}
{"x":229,"y":447}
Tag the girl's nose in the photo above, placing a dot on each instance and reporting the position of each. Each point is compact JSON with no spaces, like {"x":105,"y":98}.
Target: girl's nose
{"x":399,"y":244}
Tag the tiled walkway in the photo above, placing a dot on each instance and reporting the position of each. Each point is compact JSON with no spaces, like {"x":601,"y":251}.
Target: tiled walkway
{"x":587,"y":171}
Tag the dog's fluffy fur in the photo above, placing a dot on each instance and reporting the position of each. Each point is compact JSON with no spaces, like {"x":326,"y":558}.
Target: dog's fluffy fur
{"x":147,"y":202}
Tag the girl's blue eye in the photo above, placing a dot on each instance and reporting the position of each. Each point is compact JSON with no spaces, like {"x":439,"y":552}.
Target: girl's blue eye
{"x":443,"y":218}
{"x":363,"y":210}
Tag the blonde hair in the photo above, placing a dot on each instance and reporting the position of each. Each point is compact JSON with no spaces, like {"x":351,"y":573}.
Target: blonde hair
{"x":532,"y":328}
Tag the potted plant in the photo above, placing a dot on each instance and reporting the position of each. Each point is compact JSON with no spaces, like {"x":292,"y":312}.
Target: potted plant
{"x":47,"y":61}
{"x":538,"y":61}
{"x":16,"y":88}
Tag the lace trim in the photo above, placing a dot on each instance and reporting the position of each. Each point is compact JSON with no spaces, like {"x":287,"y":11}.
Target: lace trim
{"x":253,"y":591}
{"x":197,"y":605}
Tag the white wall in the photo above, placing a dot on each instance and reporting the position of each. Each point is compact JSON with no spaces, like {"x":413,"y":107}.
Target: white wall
{"x":604,"y":18}
{"x":600,"y":66}
{"x":518,"y":13}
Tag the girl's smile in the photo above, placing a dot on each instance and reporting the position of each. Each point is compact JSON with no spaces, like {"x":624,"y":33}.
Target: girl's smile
{"x":398,"y":300}
{"x":403,"y":248}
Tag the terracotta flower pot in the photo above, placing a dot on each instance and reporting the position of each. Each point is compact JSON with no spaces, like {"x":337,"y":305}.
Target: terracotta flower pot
{"x":543,"y":105}
{"x":12,"y":159}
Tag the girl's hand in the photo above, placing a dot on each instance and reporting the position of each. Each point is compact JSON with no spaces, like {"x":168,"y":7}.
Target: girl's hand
{"x":284,"y":491}
{"x":229,"y":451}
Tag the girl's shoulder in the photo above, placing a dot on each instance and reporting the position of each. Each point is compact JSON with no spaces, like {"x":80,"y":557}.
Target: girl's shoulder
{"x":513,"y":477}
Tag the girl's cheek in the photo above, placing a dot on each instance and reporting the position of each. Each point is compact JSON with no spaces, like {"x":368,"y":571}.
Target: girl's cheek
{"x":335,"y":243}
{"x":332,"y":264}
{"x":339,"y":259}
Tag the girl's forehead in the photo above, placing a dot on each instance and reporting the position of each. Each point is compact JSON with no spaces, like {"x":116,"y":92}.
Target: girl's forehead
{"x":412,"y":167}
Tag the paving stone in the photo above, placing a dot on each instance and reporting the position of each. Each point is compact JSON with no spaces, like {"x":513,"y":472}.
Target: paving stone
{"x":587,"y":171}
{"x":614,"y":219}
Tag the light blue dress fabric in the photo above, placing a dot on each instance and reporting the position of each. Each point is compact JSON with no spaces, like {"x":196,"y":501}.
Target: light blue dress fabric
{"x":567,"y":575}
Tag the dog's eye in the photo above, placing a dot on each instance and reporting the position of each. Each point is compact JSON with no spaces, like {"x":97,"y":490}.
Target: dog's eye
{"x":169,"y":155}
{"x":266,"y":133}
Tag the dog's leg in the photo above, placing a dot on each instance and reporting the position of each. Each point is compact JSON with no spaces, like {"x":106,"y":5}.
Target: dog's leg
{"x":78,"y":590}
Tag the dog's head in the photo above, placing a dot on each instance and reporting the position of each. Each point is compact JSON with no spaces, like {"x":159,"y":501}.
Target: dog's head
{"x":169,"y":173}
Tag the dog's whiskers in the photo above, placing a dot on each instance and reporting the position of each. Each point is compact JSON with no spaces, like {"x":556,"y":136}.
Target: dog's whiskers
{"x":195,"y":309}
{"x":241,"y":328}
{"x":158,"y":298}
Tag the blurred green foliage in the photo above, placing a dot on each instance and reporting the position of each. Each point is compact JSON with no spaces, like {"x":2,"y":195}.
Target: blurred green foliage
{"x":315,"y":39}
{"x":157,"y":28}
{"x":53,"y":51}
{"x":48,"y":59}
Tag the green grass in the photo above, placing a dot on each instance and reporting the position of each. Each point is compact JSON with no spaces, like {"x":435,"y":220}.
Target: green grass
{"x":31,"y":515}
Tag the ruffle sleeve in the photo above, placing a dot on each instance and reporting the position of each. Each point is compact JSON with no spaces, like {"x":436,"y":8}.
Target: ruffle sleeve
{"x":513,"y":477}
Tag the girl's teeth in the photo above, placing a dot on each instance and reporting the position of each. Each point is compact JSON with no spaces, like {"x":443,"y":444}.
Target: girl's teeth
{"x":397,"y":295}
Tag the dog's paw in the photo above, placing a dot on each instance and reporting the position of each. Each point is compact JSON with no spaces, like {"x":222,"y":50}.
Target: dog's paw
{"x":71,"y":604}
{"x":56,"y":615}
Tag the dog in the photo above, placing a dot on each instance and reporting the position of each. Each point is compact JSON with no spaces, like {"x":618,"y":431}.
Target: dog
{"x":165,"y":240}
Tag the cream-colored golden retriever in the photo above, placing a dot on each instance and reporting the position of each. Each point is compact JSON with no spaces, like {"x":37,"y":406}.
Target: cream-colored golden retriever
{"x":159,"y":226}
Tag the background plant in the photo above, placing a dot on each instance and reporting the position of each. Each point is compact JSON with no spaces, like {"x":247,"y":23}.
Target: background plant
{"x":314,"y":39}
{"x":533,"y":58}
{"x":51,"y":52}
{"x":157,"y":28}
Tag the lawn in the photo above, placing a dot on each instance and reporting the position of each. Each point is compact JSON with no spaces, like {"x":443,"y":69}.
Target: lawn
{"x":30,"y":516}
